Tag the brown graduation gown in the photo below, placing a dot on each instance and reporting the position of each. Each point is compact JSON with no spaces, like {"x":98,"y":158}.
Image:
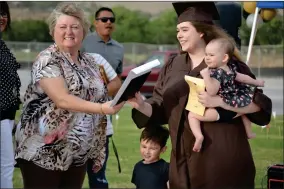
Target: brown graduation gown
{"x":225,"y":160}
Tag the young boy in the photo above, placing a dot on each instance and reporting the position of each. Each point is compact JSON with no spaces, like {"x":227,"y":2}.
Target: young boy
{"x":152,"y":172}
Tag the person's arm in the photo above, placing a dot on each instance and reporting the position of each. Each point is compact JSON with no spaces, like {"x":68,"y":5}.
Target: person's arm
{"x":263,"y":116}
{"x":48,"y":76}
{"x":56,"y":90}
{"x":139,"y":103}
{"x":242,"y":110}
{"x":243,"y":78}
{"x":114,"y":83}
{"x":212,"y":85}
{"x":113,"y":86}
{"x":152,"y":109}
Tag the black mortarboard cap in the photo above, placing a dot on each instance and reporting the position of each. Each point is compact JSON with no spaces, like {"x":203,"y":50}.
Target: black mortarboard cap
{"x":204,"y":12}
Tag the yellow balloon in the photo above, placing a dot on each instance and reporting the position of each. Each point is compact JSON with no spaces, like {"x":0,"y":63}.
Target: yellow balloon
{"x":268,"y":14}
{"x":249,"y":7}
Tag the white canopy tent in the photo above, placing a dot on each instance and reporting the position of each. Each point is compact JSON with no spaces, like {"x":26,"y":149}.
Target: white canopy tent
{"x":261,"y":5}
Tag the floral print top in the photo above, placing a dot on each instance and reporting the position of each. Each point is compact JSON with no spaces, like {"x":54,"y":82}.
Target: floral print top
{"x":232,"y":92}
{"x":55,"y":138}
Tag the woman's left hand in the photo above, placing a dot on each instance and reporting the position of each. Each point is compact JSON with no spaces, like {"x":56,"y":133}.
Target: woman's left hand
{"x":210,"y":101}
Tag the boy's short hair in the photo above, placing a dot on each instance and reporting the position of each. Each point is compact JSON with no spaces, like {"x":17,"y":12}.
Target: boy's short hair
{"x":156,"y":133}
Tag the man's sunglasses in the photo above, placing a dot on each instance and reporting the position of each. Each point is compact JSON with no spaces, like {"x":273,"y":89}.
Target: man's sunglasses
{"x":105,"y":19}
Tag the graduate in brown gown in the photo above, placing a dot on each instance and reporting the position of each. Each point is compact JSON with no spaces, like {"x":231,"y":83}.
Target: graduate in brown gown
{"x":225,"y":160}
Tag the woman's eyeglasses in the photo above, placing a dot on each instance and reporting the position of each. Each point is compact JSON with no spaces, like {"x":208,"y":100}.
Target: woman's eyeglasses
{"x":105,"y":19}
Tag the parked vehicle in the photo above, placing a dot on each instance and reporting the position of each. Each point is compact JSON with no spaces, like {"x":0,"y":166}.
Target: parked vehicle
{"x":148,"y":87}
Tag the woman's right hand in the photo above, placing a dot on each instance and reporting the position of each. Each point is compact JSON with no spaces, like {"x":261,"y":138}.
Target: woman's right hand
{"x":107,"y":109}
{"x":137,"y":102}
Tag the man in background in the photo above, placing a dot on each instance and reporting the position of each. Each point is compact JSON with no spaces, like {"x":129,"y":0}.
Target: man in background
{"x":100,"y":42}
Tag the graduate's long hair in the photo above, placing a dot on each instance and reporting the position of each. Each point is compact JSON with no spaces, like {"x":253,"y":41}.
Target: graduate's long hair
{"x":211,"y":32}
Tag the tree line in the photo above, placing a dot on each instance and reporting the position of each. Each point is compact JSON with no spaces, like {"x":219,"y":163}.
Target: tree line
{"x":137,"y":26}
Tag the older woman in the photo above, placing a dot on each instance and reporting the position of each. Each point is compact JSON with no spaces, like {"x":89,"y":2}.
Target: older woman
{"x":225,"y":160}
{"x":63,"y":121}
{"x":9,"y":100}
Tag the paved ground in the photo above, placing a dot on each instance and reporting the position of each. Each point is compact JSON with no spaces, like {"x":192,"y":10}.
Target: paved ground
{"x":273,"y":88}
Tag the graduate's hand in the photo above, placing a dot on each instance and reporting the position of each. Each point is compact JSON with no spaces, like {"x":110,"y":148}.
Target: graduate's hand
{"x":137,"y":102}
{"x":210,"y":101}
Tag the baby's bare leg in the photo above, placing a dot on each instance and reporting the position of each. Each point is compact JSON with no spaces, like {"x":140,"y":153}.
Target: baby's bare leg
{"x":194,"y":123}
{"x":247,"y":124}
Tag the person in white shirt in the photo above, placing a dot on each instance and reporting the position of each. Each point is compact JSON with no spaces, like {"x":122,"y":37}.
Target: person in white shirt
{"x":98,"y":179}
{"x":101,"y":42}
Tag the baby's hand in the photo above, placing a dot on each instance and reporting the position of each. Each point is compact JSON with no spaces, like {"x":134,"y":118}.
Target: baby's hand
{"x":205,"y":72}
{"x":261,"y":83}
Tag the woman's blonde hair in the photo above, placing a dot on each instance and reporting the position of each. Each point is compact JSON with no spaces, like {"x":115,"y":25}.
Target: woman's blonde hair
{"x":70,"y":9}
{"x":214,"y":32}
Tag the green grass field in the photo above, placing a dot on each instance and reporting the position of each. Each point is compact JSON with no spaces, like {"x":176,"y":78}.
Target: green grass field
{"x":267,"y":149}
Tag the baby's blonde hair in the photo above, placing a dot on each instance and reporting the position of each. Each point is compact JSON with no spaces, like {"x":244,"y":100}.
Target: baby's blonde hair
{"x":225,"y":44}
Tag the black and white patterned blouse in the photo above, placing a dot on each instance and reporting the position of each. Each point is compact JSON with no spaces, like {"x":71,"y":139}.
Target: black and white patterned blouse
{"x":84,"y":134}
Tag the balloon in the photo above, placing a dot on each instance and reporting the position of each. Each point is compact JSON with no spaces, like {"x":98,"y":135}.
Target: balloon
{"x":250,"y":19}
{"x":268,"y":14}
{"x":249,"y":7}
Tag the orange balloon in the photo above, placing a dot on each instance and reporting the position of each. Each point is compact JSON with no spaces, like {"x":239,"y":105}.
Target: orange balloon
{"x":268,"y":14}
{"x":249,"y":7}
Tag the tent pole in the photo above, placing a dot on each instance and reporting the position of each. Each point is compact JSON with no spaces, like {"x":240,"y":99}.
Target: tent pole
{"x":253,"y":34}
